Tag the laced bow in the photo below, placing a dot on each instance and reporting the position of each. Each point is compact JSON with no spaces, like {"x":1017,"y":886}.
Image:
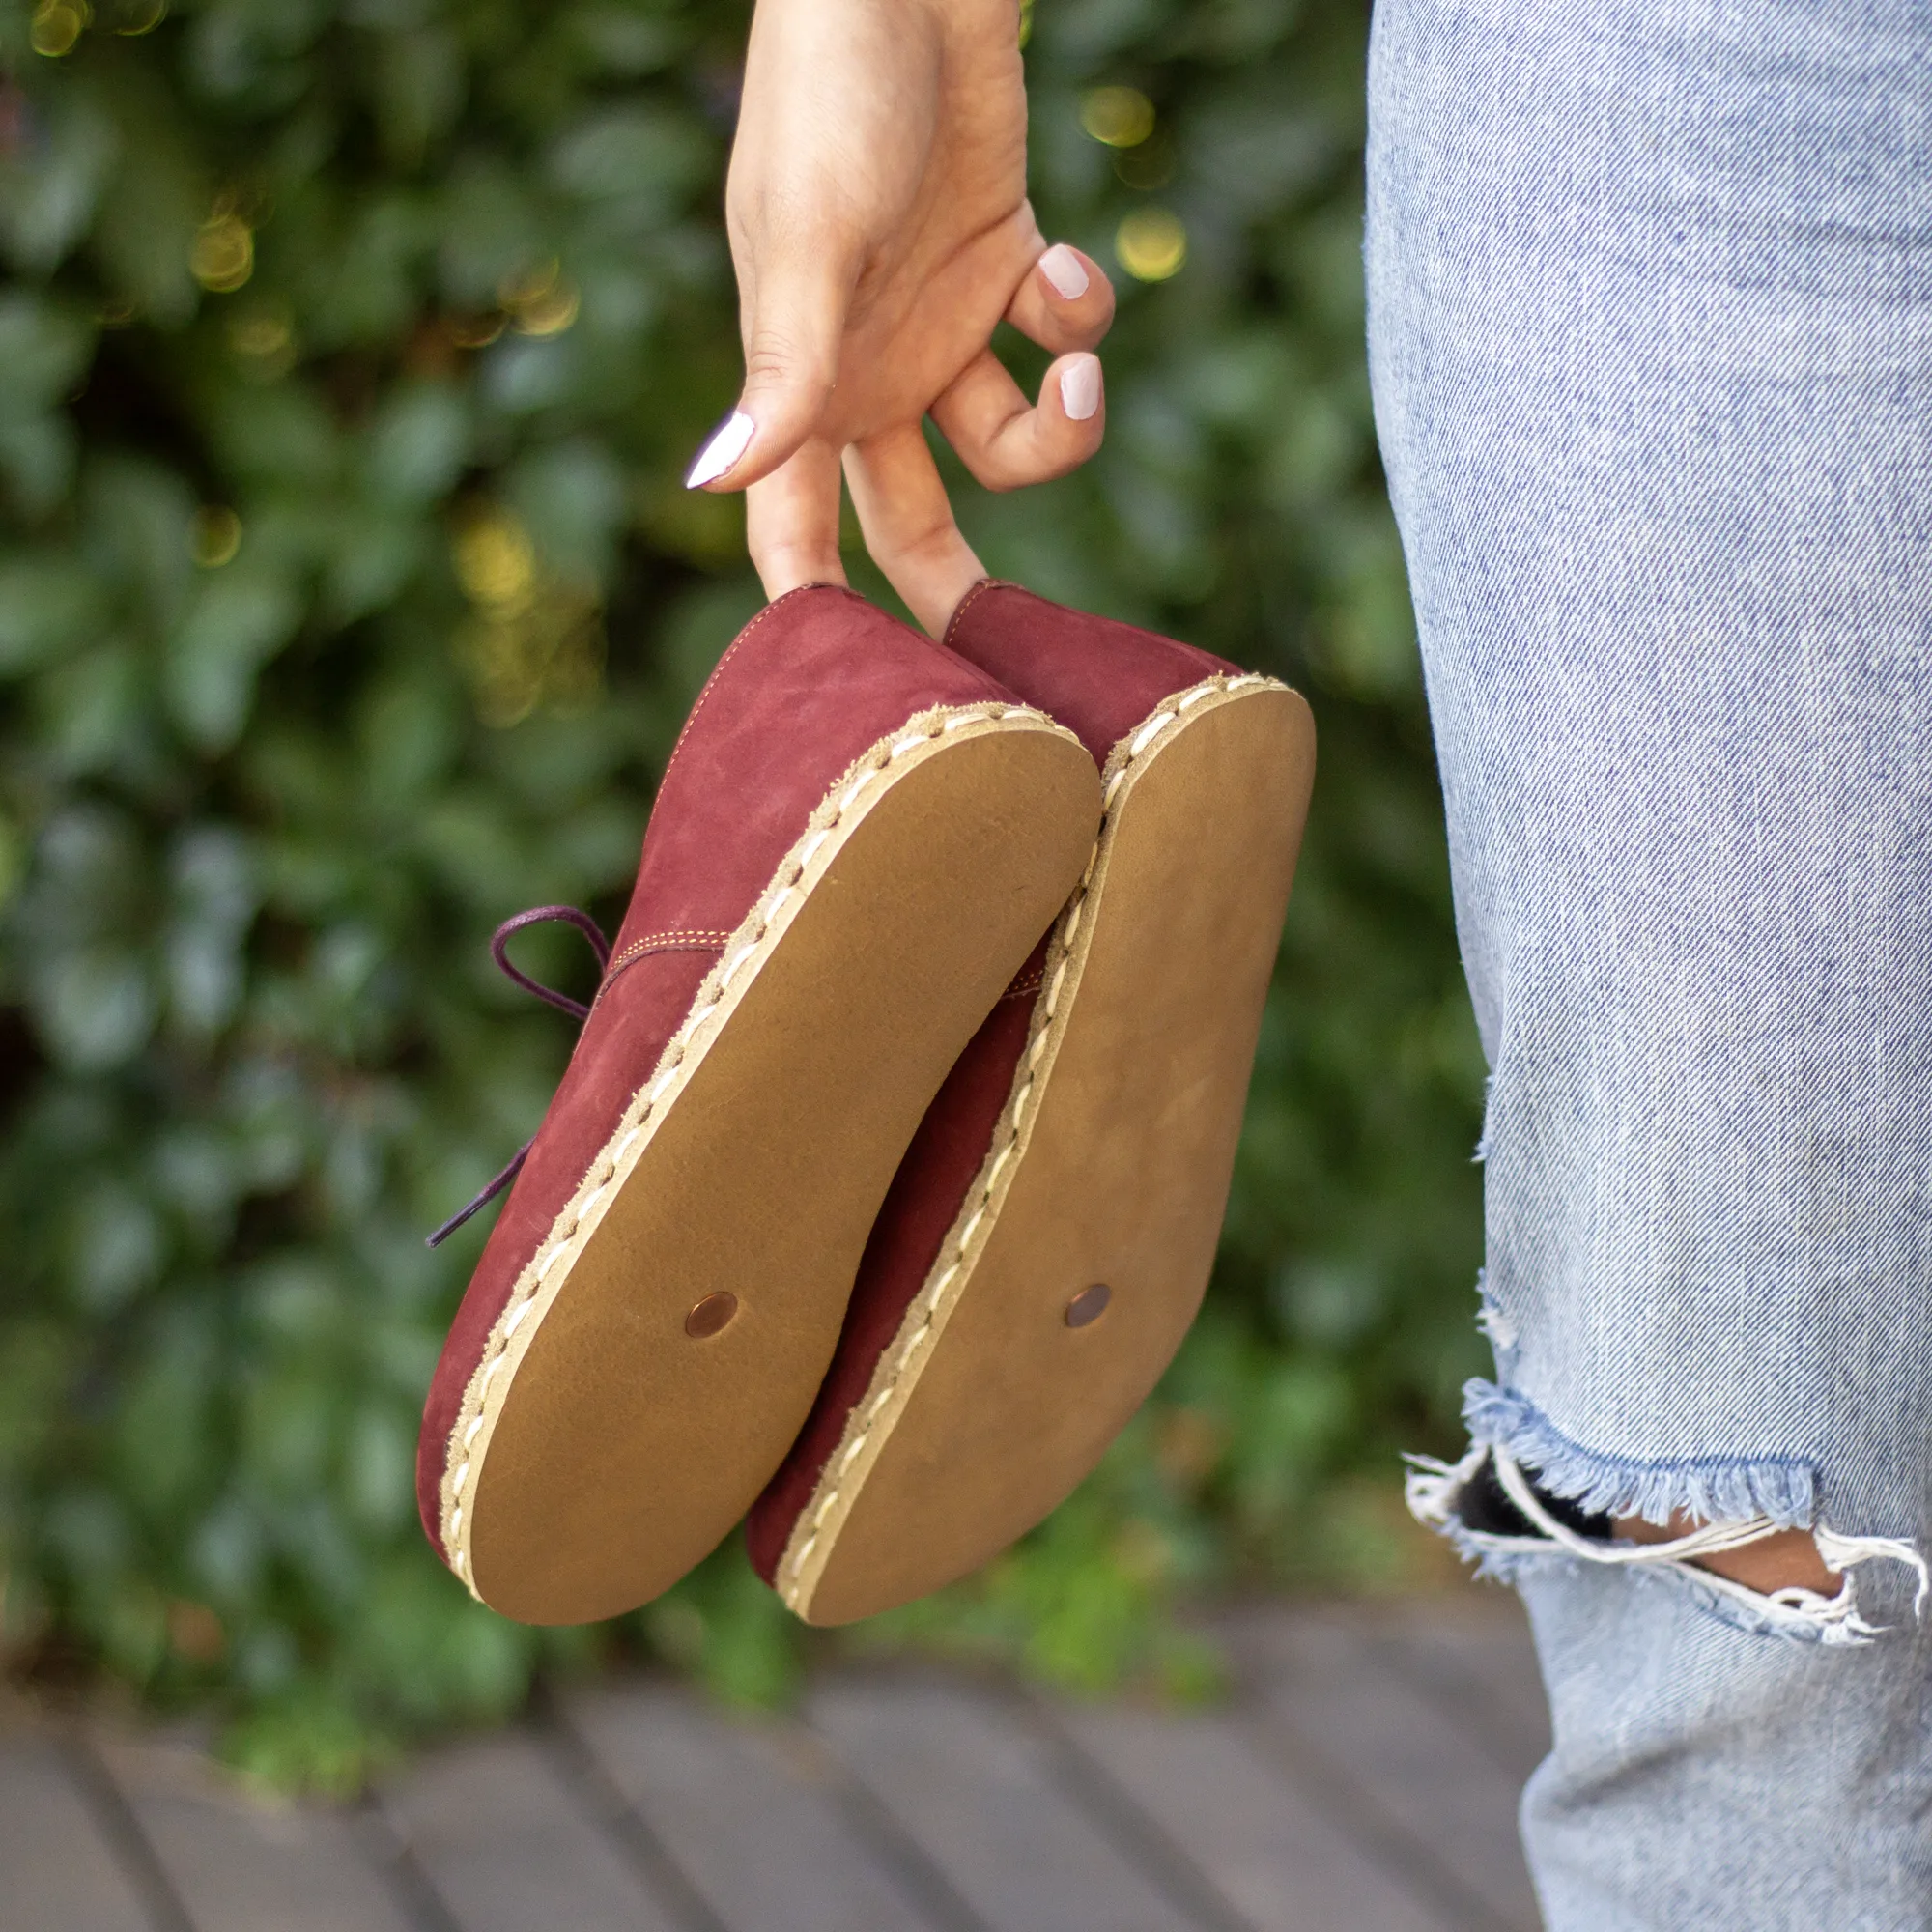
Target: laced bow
{"x":576,"y":1009}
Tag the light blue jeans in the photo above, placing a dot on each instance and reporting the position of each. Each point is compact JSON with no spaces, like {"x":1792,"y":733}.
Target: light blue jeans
{"x":1651,"y":329}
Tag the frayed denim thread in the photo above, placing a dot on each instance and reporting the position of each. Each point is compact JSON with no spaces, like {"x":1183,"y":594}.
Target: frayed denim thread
{"x":1434,"y":1493}
{"x":1716,"y":1489}
{"x":1494,"y":1323}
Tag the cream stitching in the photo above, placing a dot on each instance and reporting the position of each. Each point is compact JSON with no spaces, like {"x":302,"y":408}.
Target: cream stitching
{"x":711,"y":936}
{"x":979,"y":1208}
{"x":657,"y":942}
{"x":965,"y":604}
{"x":760,"y":925}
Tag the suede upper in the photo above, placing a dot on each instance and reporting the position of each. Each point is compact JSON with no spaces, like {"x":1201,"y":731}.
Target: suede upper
{"x":1100,"y":679}
{"x":1096,"y":675}
{"x":813,"y":682}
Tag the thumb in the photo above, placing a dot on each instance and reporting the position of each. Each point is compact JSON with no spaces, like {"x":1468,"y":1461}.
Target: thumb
{"x":793,"y":316}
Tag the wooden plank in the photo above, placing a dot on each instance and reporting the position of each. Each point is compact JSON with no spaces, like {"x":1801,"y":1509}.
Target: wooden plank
{"x":1478,"y":1661}
{"x":497,"y":1835}
{"x":58,"y":1871}
{"x":1281,"y":1864}
{"x":750,"y":1811}
{"x":1338,"y":1709}
{"x":239,"y":1865}
{"x":976,"y":1790}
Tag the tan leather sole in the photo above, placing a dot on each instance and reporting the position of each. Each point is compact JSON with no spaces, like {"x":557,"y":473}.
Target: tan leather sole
{"x":608,"y":1442}
{"x":1107,"y":1177}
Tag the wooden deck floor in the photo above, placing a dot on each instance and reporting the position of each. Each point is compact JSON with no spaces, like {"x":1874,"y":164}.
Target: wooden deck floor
{"x":1363,"y":1778}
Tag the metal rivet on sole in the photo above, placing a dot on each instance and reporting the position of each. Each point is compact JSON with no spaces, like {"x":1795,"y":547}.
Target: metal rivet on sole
{"x":1088,"y":1305}
{"x":711,"y":1317}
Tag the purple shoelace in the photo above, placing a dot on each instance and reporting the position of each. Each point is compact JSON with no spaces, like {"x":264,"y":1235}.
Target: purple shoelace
{"x":576,"y":1009}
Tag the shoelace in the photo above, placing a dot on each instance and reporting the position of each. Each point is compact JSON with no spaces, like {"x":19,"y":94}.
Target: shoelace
{"x":576,"y":1009}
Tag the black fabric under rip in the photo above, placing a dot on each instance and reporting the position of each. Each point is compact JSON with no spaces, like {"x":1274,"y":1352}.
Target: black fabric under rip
{"x":1484,"y":1505}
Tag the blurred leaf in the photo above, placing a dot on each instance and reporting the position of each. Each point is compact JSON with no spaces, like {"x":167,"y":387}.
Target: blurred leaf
{"x":215,"y":893}
{"x":571,"y":498}
{"x":144,"y":232}
{"x":419,"y":442}
{"x":97,"y":1010}
{"x":118,"y":1246}
{"x":420,"y":87}
{"x":48,"y":604}
{"x":645,"y":160}
{"x":235,"y":623}
{"x":42,"y":350}
{"x":138,"y":521}
{"x":50,"y":183}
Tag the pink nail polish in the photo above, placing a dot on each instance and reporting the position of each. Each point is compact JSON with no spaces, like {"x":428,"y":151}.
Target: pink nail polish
{"x":1065,"y":272}
{"x":727,"y":443}
{"x":1080,"y":388}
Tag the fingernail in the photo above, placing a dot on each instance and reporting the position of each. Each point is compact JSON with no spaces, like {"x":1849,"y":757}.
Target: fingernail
{"x":1080,"y":388}
{"x":1065,"y":272}
{"x":729,"y":441}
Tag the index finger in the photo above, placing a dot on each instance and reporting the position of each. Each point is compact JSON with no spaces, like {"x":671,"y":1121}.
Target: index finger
{"x":791,"y":522}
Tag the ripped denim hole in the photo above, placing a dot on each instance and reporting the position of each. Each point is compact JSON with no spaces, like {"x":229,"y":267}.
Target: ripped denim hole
{"x":1496,"y":1515}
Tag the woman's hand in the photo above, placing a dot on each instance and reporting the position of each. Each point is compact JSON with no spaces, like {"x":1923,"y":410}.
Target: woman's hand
{"x":880,"y":228}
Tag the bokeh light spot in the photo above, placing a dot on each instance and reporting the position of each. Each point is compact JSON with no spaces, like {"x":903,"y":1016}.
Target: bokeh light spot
{"x":214,"y":536}
{"x":1123,"y":117}
{"x":474,"y":332}
{"x":265,"y":338}
{"x":550,"y":314}
{"x":539,"y":302}
{"x":224,"y":252}
{"x":495,"y":562}
{"x":1151,"y":244}
{"x":56,"y":26}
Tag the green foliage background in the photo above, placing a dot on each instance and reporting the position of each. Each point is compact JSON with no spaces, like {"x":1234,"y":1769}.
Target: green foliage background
{"x":349,"y":357}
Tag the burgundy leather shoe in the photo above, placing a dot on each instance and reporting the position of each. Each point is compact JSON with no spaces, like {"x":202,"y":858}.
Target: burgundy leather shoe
{"x":857,"y":839}
{"x":1048,"y":1235}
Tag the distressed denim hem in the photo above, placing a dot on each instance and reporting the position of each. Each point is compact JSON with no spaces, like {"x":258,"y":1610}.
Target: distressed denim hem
{"x":1784,"y":1490}
{"x":1436,"y":1491}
